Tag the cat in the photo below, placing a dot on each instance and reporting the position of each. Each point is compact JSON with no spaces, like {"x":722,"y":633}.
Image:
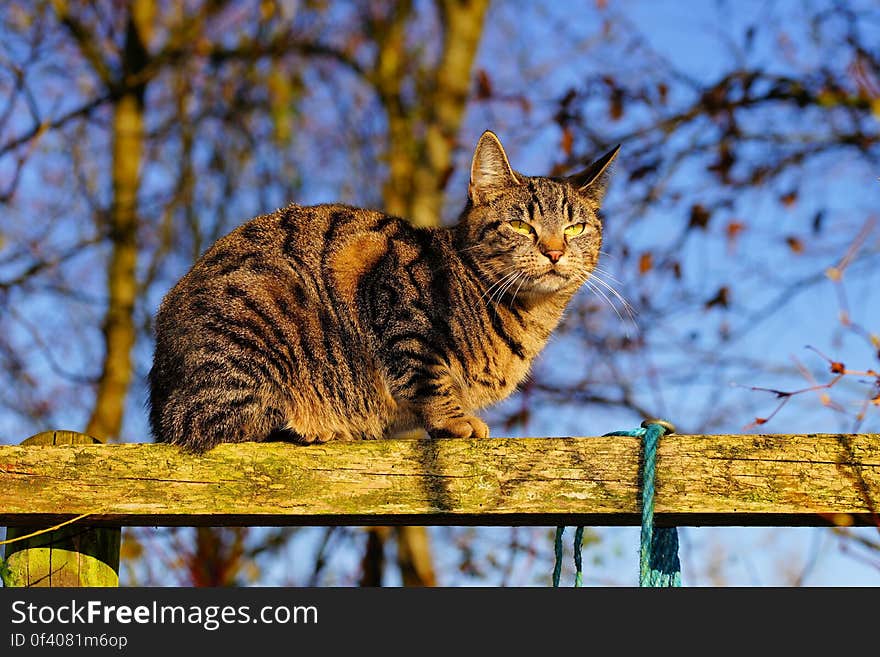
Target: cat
{"x":332,"y":322}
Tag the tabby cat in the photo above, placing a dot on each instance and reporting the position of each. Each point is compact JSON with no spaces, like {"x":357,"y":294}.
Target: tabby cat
{"x":331,"y":322}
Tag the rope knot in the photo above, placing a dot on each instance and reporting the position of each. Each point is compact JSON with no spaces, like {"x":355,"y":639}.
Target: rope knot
{"x":659,"y":565}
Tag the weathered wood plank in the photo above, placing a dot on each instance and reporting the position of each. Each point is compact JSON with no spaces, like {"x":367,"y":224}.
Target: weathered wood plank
{"x":77,"y":555}
{"x":702,"y":480}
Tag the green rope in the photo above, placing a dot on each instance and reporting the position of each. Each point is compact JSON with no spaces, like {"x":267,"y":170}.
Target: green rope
{"x":557,"y":568}
{"x":578,"y":563}
{"x":659,"y":565}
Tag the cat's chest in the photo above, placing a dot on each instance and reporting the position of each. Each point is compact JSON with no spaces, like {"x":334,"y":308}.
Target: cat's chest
{"x":495,"y":373}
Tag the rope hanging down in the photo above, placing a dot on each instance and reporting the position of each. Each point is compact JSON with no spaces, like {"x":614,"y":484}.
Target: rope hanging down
{"x":659,"y":565}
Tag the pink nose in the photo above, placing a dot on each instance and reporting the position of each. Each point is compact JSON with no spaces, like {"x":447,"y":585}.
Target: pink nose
{"x":553,"y":255}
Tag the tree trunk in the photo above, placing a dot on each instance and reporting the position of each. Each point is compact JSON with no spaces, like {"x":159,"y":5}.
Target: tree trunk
{"x":373,"y":562}
{"x":128,"y":137}
{"x":463,"y":27}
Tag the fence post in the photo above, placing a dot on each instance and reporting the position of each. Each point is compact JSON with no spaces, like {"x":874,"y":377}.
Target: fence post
{"x":76,"y":555}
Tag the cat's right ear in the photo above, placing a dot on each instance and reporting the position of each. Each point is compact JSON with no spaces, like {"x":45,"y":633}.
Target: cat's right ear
{"x":490,"y":169}
{"x":593,"y":180}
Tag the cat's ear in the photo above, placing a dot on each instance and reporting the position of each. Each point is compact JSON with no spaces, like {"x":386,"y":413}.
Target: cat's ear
{"x":593,"y":180}
{"x":490,"y":169}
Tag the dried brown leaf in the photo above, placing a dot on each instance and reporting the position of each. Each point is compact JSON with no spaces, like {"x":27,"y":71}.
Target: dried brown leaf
{"x":795,"y":244}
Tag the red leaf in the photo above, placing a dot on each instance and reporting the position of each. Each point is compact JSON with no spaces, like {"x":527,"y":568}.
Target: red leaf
{"x":733,"y":229}
{"x":789,"y":198}
{"x":567,"y":141}
{"x":795,"y":244}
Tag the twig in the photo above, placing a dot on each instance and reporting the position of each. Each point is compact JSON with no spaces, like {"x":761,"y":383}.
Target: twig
{"x":48,"y":529}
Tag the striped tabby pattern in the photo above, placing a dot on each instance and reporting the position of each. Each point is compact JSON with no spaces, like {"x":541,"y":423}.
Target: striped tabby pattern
{"x":338,"y":323}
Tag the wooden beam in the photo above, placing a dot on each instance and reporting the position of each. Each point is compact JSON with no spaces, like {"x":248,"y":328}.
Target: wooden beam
{"x":701,"y":480}
{"x":77,"y":555}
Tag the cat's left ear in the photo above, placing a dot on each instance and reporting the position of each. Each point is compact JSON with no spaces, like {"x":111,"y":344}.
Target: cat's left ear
{"x":593,"y":180}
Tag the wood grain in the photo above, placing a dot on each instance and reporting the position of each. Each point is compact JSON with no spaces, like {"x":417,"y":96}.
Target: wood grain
{"x":701,"y":480}
{"x":76,"y":555}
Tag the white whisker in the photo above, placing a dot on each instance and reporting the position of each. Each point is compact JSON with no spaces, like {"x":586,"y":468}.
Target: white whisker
{"x":509,"y":285}
{"x":606,"y":273}
{"x":468,"y":248}
{"x":504,"y":290}
{"x":508,"y":278}
{"x":629,"y":309}
{"x":499,"y":291}
{"x":602,"y":294}
{"x":524,"y":278}
{"x":497,"y":283}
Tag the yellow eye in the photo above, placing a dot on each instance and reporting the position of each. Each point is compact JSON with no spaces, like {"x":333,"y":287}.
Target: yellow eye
{"x":575,"y":229}
{"x":521,"y":227}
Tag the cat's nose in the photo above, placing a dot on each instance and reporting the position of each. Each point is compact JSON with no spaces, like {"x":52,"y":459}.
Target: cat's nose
{"x":554,"y":255}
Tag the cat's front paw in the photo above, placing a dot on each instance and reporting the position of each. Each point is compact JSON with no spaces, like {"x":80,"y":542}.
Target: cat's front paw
{"x":460,"y":427}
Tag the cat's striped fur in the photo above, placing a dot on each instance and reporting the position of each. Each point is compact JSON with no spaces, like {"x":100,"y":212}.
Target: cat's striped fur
{"x":338,"y":323}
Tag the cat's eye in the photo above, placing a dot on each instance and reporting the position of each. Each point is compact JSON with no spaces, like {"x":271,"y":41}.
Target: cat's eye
{"x":575,"y":229}
{"x":521,"y":227}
